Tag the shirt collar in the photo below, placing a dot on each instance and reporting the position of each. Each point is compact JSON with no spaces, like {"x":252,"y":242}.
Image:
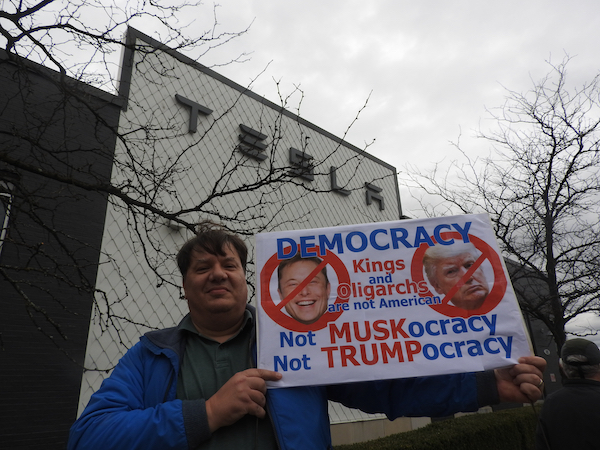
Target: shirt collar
{"x":188,"y":325}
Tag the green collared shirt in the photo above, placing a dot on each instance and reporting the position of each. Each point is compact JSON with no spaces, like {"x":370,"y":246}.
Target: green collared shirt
{"x":207,"y":365}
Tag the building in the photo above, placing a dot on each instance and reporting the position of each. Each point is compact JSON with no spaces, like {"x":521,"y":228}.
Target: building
{"x":89,"y":264}
{"x":49,"y":244}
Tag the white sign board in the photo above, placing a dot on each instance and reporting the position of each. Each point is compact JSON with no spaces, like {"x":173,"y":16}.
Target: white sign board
{"x":385,"y":300}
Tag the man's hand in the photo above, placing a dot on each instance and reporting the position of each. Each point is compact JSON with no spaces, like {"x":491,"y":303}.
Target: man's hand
{"x":523,"y":382}
{"x":243,"y":394}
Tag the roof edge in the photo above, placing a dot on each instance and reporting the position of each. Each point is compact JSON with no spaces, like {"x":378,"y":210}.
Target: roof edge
{"x":58,"y":77}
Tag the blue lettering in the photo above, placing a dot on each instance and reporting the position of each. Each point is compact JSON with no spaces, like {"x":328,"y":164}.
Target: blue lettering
{"x":443,"y":351}
{"x":374,"y":241}
{"x":420,"y":331}
{"x":459,"y":325}
{"x":443,"y":324}
{"x":474,"y":348}
{"x":472,"y":325}
{"x":486,"y":345}
{"x":295,"y":363}
{"x":423,"y":237}
{"x":357,"y":241}
{"x":301,"y":340}
{"x":438,"y":237}
{"x":336,"y":241}
{"x":284,"y":337}
{"x":464,"y":232}
{"x":429,"y":330}
{"x":307,"y":247}
{"x":337,"y":307}
{"x":402,"y":238}
{"x":279,"y":362}
{"x":507,"y":346}
{"x":286,"y":252}
{"x":434,"y":351}
{"x":363,"y":240}
{"x":491,"y":325}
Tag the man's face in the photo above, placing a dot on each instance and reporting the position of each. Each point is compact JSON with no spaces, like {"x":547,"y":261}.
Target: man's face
{"x":450,"y":270}
{"x":311,"y":302}
{"x":215,"y":288}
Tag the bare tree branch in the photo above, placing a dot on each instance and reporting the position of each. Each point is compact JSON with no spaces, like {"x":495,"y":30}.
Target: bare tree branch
{"x":541,"y":189}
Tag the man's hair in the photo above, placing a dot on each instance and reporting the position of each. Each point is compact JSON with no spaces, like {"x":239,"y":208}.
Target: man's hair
{"x":211,"y":238}
{"x":287,"y":262}
{"x":576,"y":367}
{"x":439,"y":252}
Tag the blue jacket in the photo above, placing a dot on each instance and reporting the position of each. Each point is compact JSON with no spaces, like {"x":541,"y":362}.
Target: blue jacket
{"x":136,"y":407}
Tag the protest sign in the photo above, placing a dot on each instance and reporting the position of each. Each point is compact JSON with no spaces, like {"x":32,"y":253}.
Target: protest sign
{"x":385,"y":300}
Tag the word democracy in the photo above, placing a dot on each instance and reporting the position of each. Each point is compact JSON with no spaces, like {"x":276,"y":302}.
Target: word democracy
{"x":378,"y":239}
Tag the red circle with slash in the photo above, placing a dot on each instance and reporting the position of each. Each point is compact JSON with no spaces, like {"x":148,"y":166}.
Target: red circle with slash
{"x":275,"y":311}
{"x":495,"y":295}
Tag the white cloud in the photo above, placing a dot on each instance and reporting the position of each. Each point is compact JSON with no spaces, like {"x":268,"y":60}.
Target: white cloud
{"x":431,"y":66}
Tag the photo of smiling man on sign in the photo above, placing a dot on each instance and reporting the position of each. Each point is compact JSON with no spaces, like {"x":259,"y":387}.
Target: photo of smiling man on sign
{"x":310,"y":293}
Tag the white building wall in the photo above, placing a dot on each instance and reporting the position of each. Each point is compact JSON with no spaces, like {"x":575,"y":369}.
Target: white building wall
{"x":132,"y":298}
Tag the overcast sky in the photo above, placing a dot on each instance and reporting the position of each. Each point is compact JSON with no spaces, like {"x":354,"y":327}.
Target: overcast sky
{"x":431,"y":67}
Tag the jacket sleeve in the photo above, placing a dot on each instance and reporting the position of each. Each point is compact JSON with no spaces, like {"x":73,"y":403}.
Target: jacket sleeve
{"x":435,"y":396}
{"x":135,"y":408}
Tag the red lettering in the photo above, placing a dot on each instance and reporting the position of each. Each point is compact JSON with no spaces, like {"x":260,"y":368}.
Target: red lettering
{"x":412,"y":348}
{"x":410,"y":285}
{"x":367,"y":332}
{"x":358,"y":266}
{"x":399,"y":290}
{"x":423,"y":288}
{"x":397,"y":329}
{"x":363,"y":354}
{"x":347,"y":352}
{"x":397,"y":350}
{"x":329,"y":351}
{"x":378,"y":326}
{"x":334,"y":331}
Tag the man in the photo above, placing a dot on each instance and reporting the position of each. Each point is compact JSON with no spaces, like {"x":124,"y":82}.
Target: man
{"x":570,"y":416}
{"x":445,"y":266}
{"x":195,"y":386}
{"x":310,"y":303}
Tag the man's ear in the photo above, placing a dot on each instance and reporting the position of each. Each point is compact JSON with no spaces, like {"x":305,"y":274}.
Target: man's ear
{"x":183,"y":287}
